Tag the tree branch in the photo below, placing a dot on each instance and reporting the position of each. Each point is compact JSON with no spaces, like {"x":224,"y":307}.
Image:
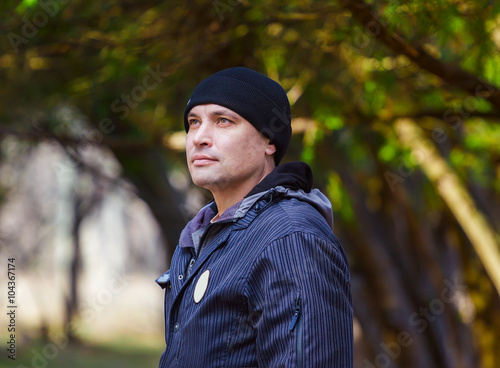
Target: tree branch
{"x":452,"y":74}
{"x":64,"y":140}
{"x":443,"y":114}
{"x":475,"y":225}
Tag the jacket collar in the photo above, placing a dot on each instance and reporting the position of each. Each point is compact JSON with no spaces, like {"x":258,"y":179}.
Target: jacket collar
{"x":292,"y":176}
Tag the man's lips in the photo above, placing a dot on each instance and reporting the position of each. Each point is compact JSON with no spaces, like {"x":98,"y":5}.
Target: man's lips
{"x":201,"y":160}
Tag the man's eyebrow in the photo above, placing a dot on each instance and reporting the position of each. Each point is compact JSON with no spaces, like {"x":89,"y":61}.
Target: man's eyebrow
{"x":228,"y":113}
{"x":192,"y":115}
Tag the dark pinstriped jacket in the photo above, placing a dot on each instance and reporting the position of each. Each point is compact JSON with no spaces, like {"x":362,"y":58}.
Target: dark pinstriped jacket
{"x":267,"y":285}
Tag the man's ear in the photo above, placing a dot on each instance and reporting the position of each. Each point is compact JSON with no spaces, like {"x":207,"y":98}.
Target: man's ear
{"x":270,"y":149}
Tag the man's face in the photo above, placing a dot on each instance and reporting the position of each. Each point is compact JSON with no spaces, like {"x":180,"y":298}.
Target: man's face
{"x":224,"y":150}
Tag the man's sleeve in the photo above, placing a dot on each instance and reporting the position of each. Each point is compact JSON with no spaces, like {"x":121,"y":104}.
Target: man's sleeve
{"x":301,"y":305}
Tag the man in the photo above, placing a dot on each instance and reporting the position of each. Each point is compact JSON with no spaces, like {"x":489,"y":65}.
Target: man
{"x":258,"y":278}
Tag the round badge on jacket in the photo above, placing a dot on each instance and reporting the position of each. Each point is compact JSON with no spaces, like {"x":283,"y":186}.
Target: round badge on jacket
{"x":201,"y":286}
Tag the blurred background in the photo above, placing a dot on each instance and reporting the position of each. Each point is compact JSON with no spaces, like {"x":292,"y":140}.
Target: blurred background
{"x":396,"y":107}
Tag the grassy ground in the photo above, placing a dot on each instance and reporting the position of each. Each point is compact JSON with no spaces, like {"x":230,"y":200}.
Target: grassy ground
{"x":38,"y":354}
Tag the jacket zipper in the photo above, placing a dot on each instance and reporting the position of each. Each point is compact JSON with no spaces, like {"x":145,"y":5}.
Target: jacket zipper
{"x":196,"y":254}
{"x":296,"y":314}
{"x":191,"y":264}
{"x":297,"y":322}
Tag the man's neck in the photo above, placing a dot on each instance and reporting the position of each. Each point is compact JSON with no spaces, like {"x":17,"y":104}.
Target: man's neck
{"x":228,"y":197}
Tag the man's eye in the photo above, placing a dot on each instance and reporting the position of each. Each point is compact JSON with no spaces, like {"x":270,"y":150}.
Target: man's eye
{"x":224,"y":121}
{"x":193,"y":122}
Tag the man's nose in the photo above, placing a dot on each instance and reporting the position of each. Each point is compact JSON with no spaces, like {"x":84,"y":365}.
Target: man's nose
{"x":203,"y":135}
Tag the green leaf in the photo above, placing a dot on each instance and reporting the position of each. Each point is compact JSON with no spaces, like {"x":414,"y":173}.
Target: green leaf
{"x":334,"y":122}
{"x":26,"y":4}
{"x":388,"y":152}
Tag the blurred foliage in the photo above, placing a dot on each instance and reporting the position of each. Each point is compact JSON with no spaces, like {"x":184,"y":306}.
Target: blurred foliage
{"x":127,"y":68}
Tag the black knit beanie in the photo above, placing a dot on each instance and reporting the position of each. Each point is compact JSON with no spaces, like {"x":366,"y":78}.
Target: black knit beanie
{"x":257,"y":98}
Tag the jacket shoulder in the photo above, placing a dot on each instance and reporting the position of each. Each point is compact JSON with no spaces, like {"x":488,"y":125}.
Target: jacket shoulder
{"x":304,"y":217}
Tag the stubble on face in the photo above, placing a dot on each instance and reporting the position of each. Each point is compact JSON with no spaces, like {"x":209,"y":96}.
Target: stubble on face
{"x":224,"y":151}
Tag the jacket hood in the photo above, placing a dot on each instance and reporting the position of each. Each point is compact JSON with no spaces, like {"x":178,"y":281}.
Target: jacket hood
{"x":315,"y":198}
{"x":293,"y":180}
{"x":292,"y":175}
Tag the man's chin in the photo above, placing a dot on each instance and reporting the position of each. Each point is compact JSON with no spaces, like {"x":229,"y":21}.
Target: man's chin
{"x":202,"y":181}
{"x":211,"y":182}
